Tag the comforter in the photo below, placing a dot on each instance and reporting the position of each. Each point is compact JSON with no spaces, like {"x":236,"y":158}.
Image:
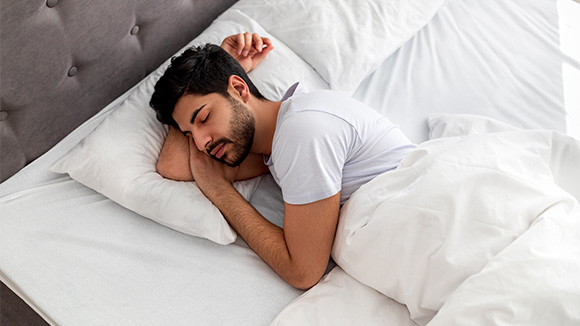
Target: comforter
{"x":472,"y":230}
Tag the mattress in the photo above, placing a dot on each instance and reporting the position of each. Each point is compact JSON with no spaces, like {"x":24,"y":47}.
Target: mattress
{"x":78,"y":258}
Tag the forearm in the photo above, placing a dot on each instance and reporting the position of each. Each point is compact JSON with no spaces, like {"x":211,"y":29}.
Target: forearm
{"x":173,"y":161}
{"x":263,"y":237}
{"x":299,"y":253}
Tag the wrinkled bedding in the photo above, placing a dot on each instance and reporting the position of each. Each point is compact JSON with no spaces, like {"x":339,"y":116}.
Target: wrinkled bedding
{"x":472,"y":230}
{"x":67,"y":250}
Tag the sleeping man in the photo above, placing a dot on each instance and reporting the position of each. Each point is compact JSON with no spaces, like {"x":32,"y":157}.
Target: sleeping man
{"x":319,"y":146}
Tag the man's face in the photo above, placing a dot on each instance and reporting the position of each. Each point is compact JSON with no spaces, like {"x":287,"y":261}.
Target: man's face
{"x":221,"y":127}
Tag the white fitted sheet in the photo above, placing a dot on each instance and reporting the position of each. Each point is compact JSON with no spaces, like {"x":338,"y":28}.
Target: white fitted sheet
{"x":80,"y":259}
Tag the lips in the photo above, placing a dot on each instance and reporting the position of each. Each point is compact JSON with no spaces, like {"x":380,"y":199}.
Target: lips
{"x":218,"y":151}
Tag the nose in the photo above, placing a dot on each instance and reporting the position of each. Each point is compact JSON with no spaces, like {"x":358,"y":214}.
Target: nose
{"x":201,"y":139}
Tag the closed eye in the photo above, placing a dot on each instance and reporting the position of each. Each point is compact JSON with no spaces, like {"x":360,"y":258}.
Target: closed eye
{"x":194,"y":115}
{"x":205,"y":119}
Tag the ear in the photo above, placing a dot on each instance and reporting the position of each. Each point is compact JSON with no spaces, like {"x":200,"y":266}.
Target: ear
{"x":238,"y":88}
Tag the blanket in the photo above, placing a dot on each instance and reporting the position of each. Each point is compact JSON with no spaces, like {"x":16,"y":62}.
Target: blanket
{"x":472,"y":230}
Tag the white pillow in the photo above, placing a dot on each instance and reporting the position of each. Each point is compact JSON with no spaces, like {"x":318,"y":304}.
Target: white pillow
{"x":279,"y":70}
{"x":345,"y":41}
{"x":118,"y":158}
{"x":453,"y":125}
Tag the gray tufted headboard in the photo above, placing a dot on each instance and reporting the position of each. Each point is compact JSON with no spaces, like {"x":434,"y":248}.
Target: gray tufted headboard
{"x":62,"y":61}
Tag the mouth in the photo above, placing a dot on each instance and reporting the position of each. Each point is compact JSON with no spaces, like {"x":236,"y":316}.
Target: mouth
{"x":218,"y":151}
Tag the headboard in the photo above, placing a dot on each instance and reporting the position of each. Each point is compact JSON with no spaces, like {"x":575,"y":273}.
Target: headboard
{"x":63,"y":61}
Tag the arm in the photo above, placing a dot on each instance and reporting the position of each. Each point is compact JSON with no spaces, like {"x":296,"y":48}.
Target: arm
{"x":173,"y":162}
{"x":299,"y":253}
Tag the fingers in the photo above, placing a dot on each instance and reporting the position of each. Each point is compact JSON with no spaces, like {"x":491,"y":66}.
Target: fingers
{"x":243,"y":43}
{"x":250,"y":44}
{"x":257,"y":40}
{"x":240,"y":41}
{"x":247,"y":44}
{"x":267,"y":47}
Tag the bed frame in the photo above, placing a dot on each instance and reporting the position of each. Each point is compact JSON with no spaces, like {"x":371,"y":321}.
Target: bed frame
{"x":63,"y":61}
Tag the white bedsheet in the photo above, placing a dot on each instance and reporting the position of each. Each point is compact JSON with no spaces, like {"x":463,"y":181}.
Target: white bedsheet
{"x":79,"y":259}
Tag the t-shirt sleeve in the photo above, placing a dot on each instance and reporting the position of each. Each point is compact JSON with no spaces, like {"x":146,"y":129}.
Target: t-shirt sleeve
{"x":309,"y":153}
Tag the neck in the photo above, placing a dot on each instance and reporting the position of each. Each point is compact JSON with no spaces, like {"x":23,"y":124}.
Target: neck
{"x":265,"y":115}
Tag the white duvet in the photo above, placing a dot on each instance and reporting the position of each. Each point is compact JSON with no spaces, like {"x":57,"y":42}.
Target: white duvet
{"x":470,"y":230}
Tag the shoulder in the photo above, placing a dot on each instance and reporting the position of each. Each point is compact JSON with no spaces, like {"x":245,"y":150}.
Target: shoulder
{"x":308,"y":129}
{"x":301,"y":120}
{"x":319,"y":99}
{"x":329,"y":112}
{"x":327,"y":102}
{"x":310,"y":107}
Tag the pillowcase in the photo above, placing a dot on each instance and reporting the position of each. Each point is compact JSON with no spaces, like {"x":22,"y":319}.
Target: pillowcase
{"x":452,"y":125}
{"x":118,"y":158}
{"x":345,"y":41}
{"x":279,"y":70}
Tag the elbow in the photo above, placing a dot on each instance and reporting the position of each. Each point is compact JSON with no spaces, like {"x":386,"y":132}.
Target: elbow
{"x":169,"y":171}
{"x":305,"y":281}
{"x":304,"y":285}
{"x":164,"y":170}
{"x":305,"y":274}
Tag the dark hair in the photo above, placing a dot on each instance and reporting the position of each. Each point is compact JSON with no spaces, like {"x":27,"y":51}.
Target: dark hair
{"x":199,"y":70}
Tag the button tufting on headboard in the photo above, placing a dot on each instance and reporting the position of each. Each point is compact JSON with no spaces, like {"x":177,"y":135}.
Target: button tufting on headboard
{"x":3,"y":115}
{"x":72,"y":71}
{"x":42,"y":48}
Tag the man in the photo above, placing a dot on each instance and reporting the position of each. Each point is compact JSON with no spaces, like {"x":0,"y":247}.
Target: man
{"x":319,"y":146}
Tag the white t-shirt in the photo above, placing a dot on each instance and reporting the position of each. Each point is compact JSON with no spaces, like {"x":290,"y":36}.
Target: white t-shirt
{"x":326,"y":142}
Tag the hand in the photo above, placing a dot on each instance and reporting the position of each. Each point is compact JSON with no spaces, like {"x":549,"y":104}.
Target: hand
{"x":209,"y":174}
{"x":248,"y":49}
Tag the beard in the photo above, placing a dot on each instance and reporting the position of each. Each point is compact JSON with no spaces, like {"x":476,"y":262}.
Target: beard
{"x":242,"y":129}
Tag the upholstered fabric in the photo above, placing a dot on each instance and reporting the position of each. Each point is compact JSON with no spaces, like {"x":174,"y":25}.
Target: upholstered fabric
{"x":62,"y":61}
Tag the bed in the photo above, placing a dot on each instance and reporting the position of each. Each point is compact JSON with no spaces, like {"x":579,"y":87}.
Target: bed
{"x":91,"y":235}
